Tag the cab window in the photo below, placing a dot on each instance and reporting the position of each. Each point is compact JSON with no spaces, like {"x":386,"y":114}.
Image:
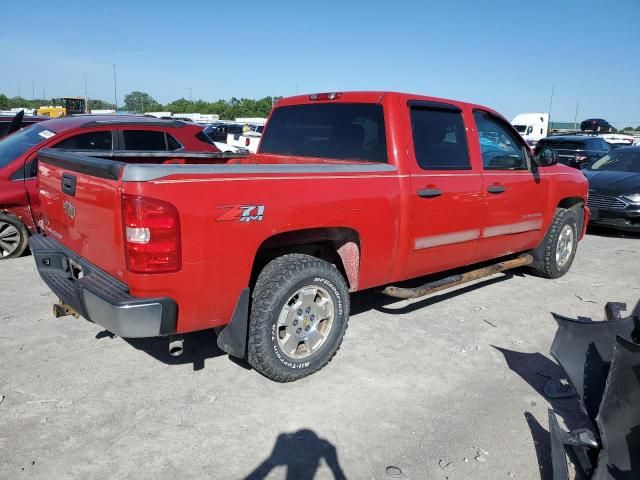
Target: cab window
{"x":149,"y":140}
{"x":500,"y":145}
{"x":439,"y":139}
{"x":87,"y":141}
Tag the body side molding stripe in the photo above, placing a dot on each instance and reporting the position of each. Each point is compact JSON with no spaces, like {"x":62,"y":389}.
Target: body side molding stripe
{"x":446,"y":239}
{"x":510,"y":228}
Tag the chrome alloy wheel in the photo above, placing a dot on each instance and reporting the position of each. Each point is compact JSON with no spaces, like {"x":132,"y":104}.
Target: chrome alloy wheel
{"x":305,"y":321}
{"x":9,"y":239}
{"x":565,"y":246}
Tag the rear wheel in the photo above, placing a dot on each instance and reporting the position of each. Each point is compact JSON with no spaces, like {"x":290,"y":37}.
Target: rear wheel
{"x":559,"y":245}
{"x":13,"y":237}
{"x":298,"y":318}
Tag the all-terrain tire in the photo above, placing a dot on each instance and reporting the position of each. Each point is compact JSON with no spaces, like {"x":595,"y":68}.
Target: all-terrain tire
{"x":549,"y":267}
{"x":277,"y":283}
{"x":14,"y":237}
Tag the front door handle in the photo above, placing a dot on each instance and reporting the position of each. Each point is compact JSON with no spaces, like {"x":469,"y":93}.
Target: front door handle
{"x":429,"y":192}
{"x":496,"y":189}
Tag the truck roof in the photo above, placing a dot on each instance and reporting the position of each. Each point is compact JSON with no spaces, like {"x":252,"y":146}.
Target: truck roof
{"x":376,"y":96}
{"x":84,"y":121}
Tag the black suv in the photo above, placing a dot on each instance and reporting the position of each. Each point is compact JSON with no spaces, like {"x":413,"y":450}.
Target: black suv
{"x":596,"y":125}
{"x":574,"y":150}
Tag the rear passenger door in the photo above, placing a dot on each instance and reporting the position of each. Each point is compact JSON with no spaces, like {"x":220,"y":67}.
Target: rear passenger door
{"x":514,"y":190}
{"x":446,"y":190}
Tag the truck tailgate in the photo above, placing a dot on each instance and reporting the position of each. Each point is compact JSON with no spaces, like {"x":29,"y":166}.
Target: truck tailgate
{"x":81,"y":199}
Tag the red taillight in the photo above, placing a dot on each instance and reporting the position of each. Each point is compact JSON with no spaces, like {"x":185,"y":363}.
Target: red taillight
{"x":247,"y":141}
{"x":151,"y":230}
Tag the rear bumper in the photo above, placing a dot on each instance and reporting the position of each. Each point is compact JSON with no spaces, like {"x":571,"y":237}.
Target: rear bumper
{"x":98,"y":296}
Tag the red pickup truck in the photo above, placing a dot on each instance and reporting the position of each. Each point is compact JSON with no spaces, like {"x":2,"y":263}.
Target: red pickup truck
{"x":348,"y":191}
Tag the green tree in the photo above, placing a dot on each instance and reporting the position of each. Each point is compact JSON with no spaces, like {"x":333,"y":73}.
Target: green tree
{"x":96,"y":104}
{"x":140,"y":102}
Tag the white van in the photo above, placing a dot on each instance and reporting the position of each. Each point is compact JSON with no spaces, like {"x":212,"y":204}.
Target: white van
{"x":532,"y":126}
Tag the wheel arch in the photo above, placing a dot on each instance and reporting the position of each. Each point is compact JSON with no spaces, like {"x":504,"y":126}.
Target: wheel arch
{"x":337,"y":245}
{"x":577,"y":205}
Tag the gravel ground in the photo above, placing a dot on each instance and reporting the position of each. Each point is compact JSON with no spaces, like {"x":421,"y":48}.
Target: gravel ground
{"x":447,"y":387}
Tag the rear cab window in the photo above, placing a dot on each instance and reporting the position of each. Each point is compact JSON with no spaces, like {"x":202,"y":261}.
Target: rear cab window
{"x":439,"y":137}
{"x":340,"y":131}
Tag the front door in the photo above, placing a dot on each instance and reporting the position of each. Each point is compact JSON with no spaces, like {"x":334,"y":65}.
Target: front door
{"x":515,"y":192}
{"x":446,"y":190}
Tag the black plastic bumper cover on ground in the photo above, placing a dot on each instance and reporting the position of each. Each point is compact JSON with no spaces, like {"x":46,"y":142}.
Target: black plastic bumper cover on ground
{"x":99,"y":297}
{"x":602,"y":361}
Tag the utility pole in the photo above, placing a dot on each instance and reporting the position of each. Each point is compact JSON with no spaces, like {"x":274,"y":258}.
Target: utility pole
{"x":189,"y":94}
{"x":575,"y":118}
{"x":551,"y":101}
{"x":44,"y":96}
{"x":86,"y":99}
{"x":115,"y":89}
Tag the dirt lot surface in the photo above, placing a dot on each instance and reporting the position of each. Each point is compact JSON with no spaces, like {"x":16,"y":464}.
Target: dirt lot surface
{"x":446,"y":387}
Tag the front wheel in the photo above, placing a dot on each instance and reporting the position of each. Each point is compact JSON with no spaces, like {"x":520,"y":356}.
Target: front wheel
{"x":559,"y":245}
{"x":13,"y":237}
{"x":298,"y":317}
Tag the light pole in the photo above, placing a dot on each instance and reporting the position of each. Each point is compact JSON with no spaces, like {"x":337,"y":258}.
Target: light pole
{"x":551,"y":102}
{"x":115,"y":89}
{"x":86,"y":100}
{"x":189,"y":94}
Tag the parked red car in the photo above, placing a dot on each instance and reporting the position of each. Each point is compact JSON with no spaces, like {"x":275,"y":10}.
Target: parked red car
{"x":347,"y":192}
{"x":19,"y":202}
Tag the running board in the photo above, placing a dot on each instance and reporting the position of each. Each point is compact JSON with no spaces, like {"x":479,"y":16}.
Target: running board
{"x":455,"y":280}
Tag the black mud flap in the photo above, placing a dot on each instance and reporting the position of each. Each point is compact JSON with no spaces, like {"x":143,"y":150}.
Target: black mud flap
{"x":602,"y":361}
{"x":233,"y":337}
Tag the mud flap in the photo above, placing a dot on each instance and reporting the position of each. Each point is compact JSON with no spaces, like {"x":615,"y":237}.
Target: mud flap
{"x":602,"y":361}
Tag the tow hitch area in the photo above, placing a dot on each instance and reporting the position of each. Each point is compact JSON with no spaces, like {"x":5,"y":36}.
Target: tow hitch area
{"x":63,"y":310}
{"x":455,"y":280}
{"x":602,"y":361}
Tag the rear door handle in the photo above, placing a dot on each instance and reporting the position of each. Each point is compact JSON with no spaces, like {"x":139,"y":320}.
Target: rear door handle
{"x":496,"y":189}
{"x":69,"y":184}
{"x":429,"y":192}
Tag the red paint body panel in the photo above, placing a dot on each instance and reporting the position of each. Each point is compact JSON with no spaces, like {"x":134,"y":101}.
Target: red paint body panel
{"x":400,"y":234}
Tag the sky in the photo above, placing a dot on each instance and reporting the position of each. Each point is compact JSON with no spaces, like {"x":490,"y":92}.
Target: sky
{"x":505,"y":54}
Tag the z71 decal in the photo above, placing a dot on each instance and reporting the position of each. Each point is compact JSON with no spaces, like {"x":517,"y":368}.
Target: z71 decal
{"x":242,"y":213}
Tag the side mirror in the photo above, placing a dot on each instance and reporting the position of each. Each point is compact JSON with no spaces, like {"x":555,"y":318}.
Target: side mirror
{"x":546,"y":157}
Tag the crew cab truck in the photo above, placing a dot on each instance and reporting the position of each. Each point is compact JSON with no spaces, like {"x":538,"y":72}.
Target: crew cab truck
{"x":348,"y":191}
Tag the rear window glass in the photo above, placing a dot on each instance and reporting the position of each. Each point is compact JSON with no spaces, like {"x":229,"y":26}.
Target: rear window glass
{"x":340,"y":131}
{"x":144,"y":140}
{"x":562,"y":144}
{"x":439,"y":139}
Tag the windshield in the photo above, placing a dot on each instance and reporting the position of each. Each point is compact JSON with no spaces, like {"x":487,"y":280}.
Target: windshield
{"x":15,"y":145}
{"x":618,"y":161}
{"x":337,"y":131}
{"x":520,"y":128}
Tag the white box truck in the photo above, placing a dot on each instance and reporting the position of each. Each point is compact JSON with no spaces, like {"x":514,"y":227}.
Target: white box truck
{"x":532,"y":126}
